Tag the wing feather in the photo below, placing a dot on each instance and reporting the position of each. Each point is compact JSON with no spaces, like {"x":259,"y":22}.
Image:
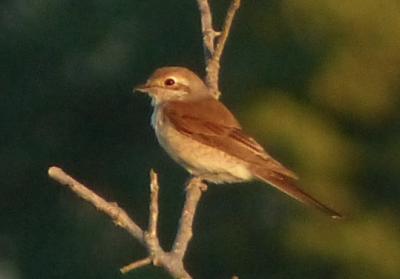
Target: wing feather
{"x":210,"y":122}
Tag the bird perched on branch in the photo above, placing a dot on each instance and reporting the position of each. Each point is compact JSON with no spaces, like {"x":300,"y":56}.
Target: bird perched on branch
{"x":203,"y":136}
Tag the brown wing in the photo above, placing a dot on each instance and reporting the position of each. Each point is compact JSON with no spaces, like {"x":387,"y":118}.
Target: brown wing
{"x":210,"y":122}
{"x":208,"y":110}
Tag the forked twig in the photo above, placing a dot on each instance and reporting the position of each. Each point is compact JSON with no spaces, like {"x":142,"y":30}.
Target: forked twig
{"x":213,"y":55}
{"x":171,"y":261}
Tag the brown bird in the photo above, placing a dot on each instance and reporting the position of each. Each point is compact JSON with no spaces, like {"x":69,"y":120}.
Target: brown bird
{"x":203,"y":136}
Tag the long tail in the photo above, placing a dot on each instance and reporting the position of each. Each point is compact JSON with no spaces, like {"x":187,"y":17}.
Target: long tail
{"x":287,"y":185}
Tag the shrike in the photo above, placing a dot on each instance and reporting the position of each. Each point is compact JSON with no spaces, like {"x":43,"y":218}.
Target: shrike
{"x":204,"y":137}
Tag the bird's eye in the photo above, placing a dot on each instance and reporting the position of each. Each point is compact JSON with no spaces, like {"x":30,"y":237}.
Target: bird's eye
{"x":169,"y":82}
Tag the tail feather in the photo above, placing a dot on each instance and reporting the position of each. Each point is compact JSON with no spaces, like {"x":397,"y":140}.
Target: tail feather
{"x":287,"y":185}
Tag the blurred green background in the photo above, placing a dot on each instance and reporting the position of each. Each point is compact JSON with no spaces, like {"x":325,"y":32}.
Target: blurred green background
{"x":316,"y":82}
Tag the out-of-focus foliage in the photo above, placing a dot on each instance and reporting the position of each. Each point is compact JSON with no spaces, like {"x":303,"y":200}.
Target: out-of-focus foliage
{"x":359,"y":77}
{"x":317,"y":82}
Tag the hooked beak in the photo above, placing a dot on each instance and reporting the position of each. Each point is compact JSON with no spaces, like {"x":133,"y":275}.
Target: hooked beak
{"x":144,"y":88}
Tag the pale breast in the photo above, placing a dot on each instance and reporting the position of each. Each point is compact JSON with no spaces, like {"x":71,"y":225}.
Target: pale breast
{"x":199,"y":159}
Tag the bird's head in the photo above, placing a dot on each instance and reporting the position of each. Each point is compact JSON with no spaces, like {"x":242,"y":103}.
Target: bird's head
{"x":174,"y":84}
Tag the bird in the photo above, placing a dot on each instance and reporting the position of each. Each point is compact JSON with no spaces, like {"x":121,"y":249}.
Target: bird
{"x":203,"y":136}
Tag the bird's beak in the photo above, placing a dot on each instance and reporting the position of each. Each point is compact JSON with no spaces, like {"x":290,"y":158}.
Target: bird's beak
{"x":144,"y":88}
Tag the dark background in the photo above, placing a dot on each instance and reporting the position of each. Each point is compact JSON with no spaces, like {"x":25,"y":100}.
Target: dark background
{"x":316,"y":82}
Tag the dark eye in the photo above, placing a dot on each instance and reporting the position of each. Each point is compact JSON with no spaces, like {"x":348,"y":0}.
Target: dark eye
{"x":169,"y":82}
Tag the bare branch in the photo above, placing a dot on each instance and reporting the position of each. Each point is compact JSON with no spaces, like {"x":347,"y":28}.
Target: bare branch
{"x":185,"y":232}
{"x":213,"y":55}
{"x":153,"y":215}
{"x":207,"y":29}
{"x":135,"y":265}
{"x":152,"y":242}
{"x":117,"y":214}
{"x":235,"y":4}
{"x":170,"y":261}
{"x":214,"y":63}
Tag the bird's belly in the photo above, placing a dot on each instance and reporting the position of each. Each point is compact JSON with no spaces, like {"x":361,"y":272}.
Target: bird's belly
{"x":199,"y":159}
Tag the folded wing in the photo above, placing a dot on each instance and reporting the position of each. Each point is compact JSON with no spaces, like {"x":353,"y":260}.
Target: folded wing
{"x":211,"y":123}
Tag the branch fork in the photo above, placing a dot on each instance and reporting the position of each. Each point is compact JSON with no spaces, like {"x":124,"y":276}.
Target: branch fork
{"x":172,"y":261}
{"x":213,"y":54}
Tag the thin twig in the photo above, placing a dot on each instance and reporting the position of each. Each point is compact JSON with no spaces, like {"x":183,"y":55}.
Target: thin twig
{"x":153,"y":215}
{"x":214,"y":64}
{"x":170,"y":261}
{"x":151,"y":238}
{"x":135,"y":265}
{"x":117,"y":214}
{"x":213,"y":55}
{"x":207,"y":29}
{"x":185,"y":231}
{"x":235,"y":4}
